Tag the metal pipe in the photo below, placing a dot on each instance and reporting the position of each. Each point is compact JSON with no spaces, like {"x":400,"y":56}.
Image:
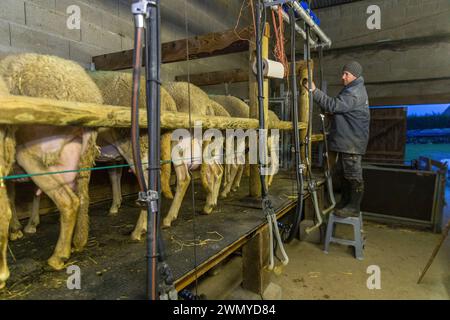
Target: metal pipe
{"x":266,"y":202}
{"x":326,"y":42}
{"x":153,"y":120}
{"x":298,"y":29}
{"x":259,"y":76}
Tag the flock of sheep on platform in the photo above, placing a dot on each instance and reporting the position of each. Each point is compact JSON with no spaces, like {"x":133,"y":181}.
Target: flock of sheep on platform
{"x":44,"y":148}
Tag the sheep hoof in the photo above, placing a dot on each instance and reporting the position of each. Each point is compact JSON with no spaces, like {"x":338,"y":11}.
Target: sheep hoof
{"x":56,"y":263}
{"x":2,"y":285}
{"x":79,"y":241}
{"x":168,"y":195}
{"x":30,"y":229}
{"x":223,"y":195}
{"x":113,"y":213}
{"x":15,"y":235}
{"x":208,"y":209}
{"x":77,"y":248}
{"x":166,"y":223}
{"x":136,"y":235}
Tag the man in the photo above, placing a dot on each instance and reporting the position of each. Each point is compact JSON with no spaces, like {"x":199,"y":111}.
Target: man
{"x":348,"y":135}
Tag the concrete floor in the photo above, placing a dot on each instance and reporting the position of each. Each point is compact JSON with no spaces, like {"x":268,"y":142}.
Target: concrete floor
{"x":401,"y":255}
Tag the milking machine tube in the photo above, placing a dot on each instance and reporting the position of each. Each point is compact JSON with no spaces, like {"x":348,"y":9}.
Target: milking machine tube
{"x":299,"y":167}
{"x":312,"y":184}
{"x":266,"y":202}
{"x":159,"y":276}
{"x":326,"y":164}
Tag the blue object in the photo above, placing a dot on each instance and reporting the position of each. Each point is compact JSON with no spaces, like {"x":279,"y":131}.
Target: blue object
{"x":305,"y":6}
{"x":187,"y":295}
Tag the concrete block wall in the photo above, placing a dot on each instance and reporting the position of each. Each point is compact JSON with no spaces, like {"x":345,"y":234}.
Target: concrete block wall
{"x":107,"y":26}
{"x":400,"y":19}
{"x":420,"y":67}
{"x":41,"y":26}
{"x":204,"y":16}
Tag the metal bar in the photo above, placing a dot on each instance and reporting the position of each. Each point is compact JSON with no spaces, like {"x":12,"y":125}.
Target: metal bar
{"x":326,"y":42}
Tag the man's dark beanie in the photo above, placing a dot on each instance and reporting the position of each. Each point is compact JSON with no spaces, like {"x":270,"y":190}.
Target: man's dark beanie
{"x":354,"y":68}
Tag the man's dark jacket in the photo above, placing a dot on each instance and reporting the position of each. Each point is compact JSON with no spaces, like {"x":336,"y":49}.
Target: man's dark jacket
{"x":349,"y":131}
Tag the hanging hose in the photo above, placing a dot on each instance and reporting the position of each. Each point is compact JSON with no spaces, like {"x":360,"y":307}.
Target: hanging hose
{"x":326,"y":165}
{"x":312,"y":184}
{"x":299,"y":167}
{"x":266,"y":203}
{"x":327,"y":171}
{"x":137,"y":62}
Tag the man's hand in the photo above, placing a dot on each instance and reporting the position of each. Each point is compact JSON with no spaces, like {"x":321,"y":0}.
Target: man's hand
{"x":305,"y":84}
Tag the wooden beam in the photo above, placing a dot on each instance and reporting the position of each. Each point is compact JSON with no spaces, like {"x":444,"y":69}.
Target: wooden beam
{"x":225,"y":76}
{"x":303,"y":108}
{"x":255,"y":258}
{"x":21,"y":110}
{"x":208,"y":45}
{"x":216,"y":77}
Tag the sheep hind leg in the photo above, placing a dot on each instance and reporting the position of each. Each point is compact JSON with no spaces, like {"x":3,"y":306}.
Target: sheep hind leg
{"x":5,"y":217}
{"x":115,"y":177}
{"x":7,"y":152}
{"x":166,"y":166}
{"x":231,"y":170}
{"x":68,"y":204}
{"x":34,"y":220}
{"x":15,"y":227}
{"x":238,"y":178}
{"x":211,"y":179}
{"x":183,"y":180}
{"x":141,"y":226}
{"x":65,"y":200}
{"x":87,"y":160}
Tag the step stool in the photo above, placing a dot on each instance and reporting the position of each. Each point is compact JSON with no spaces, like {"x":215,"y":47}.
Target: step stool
{"x":357,"y":243}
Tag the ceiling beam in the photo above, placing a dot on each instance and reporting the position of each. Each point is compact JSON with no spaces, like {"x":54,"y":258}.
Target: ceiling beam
{"x":208,"y":45}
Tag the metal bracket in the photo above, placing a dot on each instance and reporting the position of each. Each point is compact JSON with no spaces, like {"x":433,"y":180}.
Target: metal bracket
{"x":140,"y":10}
{"x":312,"y":185}
{"x":267,"y":206}
{"x":276,"y":2}
{"x":167,"y":289}
{"x":141,"y":7}
{"x":150,"y":197}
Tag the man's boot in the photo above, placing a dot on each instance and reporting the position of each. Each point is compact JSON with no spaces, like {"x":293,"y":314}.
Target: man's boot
{"x":345,"y":194}
{"x":353,"y":208}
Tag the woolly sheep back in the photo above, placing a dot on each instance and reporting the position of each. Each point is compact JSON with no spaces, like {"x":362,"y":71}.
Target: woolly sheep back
{"x":116,"y":88}
{"x":47,"y":76}
{"x":235,"y":106}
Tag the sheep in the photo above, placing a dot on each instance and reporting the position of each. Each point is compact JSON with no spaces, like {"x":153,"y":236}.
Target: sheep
{"x":115,"y":144}
{"x":233,"y":172}
{"x":7,"y":151}
{"x":116,"y":88}
{"x":190,"y":98}
{"x":44,"y":148}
